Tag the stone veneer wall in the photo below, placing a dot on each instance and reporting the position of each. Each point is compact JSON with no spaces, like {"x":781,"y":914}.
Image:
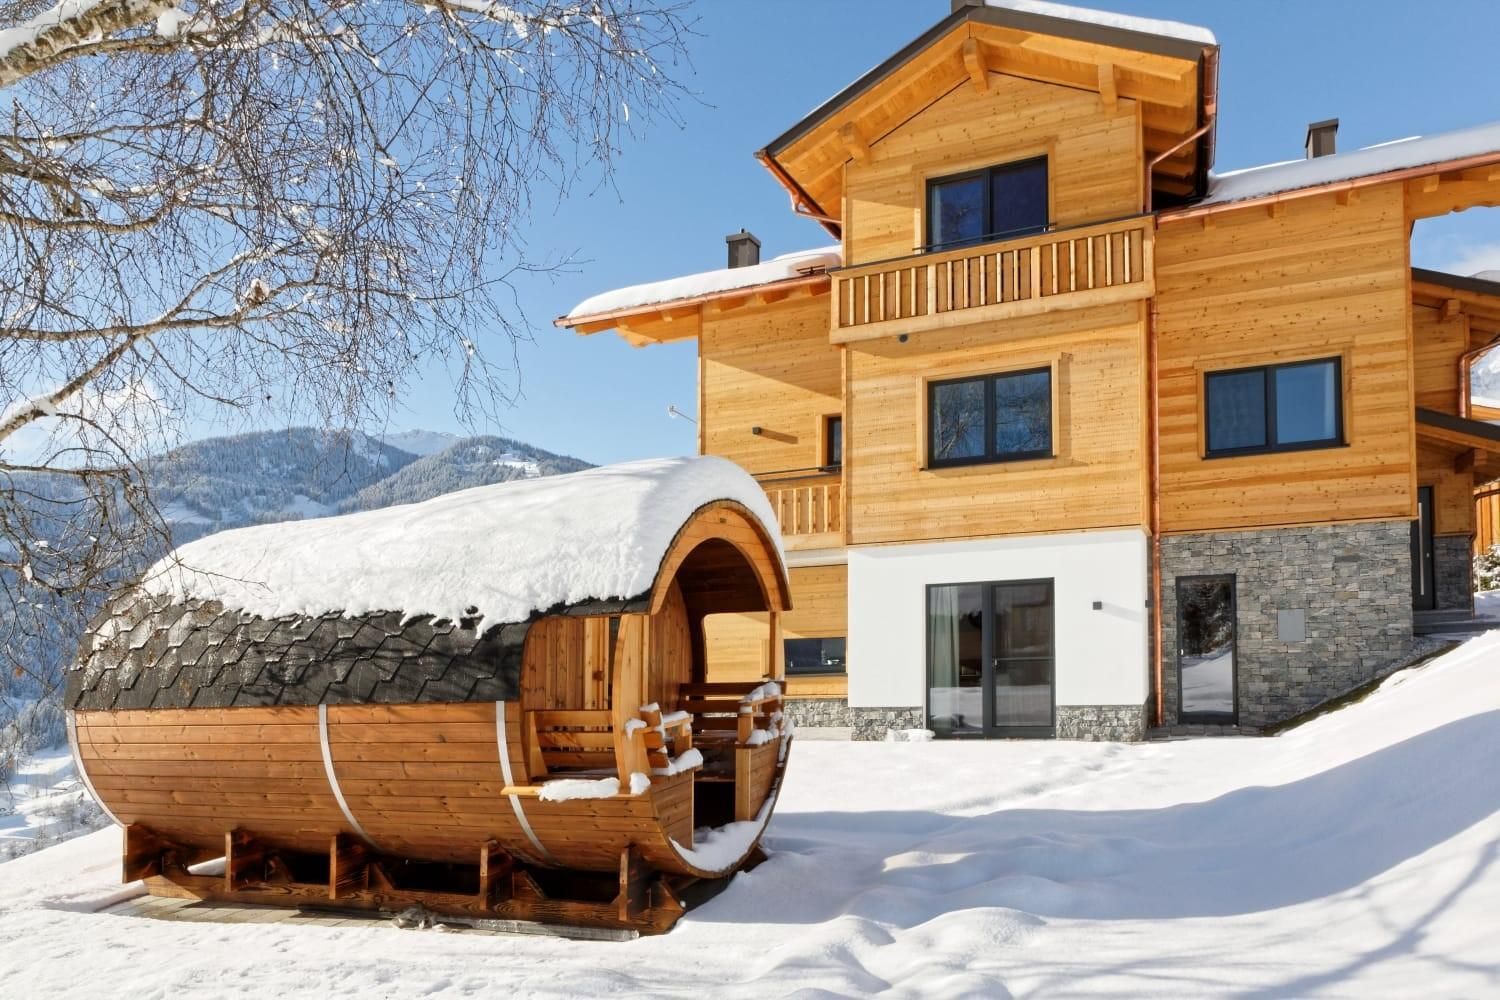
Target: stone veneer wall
{"x":1074,"y":722}
{"x":866,"y":723}
{"x":1121,"y":723}
{"x":1353,"y":581}
{"x":1453,"y":565}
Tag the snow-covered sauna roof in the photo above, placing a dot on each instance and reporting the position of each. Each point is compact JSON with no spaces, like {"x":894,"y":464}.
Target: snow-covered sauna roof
{"x":705,"y":284}
{"x":1480,"y":141}
{"x":497,"y":553}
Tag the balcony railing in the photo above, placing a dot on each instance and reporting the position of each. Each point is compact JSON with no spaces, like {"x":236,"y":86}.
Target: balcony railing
{"x":1063,"y":268}
{"x":809,"y":506}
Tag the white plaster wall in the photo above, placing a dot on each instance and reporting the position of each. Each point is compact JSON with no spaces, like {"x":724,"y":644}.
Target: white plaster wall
{"x":1101,"y":655}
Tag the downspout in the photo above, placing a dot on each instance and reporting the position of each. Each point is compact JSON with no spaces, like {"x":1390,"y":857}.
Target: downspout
{"x":1154,"y":471}
{"x":1210,"y":117}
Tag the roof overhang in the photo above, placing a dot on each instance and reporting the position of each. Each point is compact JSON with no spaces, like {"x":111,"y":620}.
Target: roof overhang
{"x":1475,"y":298}
{"x":1174,"y":78}
{"x":1477,"y":442}
{"x":682,"y":319}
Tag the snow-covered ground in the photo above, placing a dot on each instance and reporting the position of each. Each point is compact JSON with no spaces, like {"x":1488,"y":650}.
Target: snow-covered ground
{"x":1354,"y":856}
{"x":43,"y":803}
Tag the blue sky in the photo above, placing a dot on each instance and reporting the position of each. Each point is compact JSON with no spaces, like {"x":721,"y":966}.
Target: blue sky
{"x":1386,"y":68}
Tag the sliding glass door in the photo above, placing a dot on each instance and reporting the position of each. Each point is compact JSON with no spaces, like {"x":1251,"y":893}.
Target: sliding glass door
{"x":991,"y":651}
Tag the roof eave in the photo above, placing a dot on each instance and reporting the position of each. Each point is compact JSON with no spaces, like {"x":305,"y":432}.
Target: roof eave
{"x":573,"y":322}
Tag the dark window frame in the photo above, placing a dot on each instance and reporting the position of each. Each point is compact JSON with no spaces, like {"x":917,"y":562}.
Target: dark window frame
{"x":988,"y":728}
{"x":1268,"y":381}
{"x":1232,"y":718}
{"x":990,"y":456}
{"x":833,"y":433}
{"x":931,"y":244}
{"x":827,"y":672}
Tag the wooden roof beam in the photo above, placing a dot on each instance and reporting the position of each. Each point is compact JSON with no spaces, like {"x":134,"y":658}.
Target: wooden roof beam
{"x":1432,"y":196}
{"x":1109,"y":87}
{"x":854,"y":142}
{"x":976,"y":64}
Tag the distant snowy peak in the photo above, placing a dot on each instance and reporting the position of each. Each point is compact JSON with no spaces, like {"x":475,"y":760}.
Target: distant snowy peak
{"x":420,"y":443}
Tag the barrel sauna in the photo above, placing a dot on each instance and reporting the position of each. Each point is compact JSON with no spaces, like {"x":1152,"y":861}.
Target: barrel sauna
{"x":570,"y":764}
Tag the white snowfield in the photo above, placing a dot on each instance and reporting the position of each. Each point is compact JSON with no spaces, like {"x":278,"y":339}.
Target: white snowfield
{"x":1357,"y":856}
{"x":506,"y":549}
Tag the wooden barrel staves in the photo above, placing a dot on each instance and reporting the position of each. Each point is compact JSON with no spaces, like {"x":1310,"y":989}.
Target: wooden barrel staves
{"x":378,"y":711}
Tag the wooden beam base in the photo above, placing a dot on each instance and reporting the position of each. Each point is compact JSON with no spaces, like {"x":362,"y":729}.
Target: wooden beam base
{"x":497,"y":887}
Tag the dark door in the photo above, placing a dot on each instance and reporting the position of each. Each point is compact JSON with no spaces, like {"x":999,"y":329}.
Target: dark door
{"x":1423,"y":574}
{"x":1206,"y":676}
{"x":991,"y":654}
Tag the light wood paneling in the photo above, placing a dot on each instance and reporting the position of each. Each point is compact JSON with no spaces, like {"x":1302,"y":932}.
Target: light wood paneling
{"x":770,"y":367}
{"x":1439,"y":344}
{"x":1094,"y":161}
{"x":1316,"y":280}
{"x":737,"y":643}
{"x":1452,"y":491}
{"x":1095,"y":479}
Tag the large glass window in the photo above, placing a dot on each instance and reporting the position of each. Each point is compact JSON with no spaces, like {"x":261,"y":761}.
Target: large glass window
{"x":990,"y":418}
{"x":815,"y":656}
{"x":1274,"y":408}
{"x":990,"y":204}
{"x":990,"y":654}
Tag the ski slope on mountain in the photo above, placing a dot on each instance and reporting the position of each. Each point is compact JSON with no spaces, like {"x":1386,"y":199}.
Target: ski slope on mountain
{"x":1354,"y":856}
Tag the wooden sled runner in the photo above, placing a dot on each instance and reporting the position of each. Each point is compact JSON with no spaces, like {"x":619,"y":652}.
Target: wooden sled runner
{"x":577,"y":767}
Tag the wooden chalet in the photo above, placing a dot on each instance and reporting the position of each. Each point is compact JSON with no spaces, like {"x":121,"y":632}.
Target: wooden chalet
{"x":545,"y":758}
{"x":1067,"y":434}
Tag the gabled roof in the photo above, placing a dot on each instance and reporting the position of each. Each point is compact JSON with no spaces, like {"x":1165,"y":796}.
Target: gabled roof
{"x":1171,"y":68}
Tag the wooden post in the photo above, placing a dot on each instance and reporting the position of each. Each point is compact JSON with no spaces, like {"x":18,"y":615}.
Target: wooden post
{"x":634,"y":883}
{"x":348,"y":865}
{"x":629,"y":694}
{"x":776,"y":668}
{"x":494,"y":866}
{"x":744,"y":804}
{"x":244,"y":860}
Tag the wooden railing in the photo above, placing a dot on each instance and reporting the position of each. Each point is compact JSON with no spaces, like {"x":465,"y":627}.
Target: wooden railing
{"x":809,"y":508}
{"x":1088,"y":265}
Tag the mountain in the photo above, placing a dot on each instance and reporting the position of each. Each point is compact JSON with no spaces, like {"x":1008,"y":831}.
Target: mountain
{"x":227,"y":482}
{"x":420,"y":442}
{"x":475,"y":461}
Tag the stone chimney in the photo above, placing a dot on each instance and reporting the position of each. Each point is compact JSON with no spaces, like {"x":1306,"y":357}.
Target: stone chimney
{"x":1320,"y":138}
{"x":744,"y":249}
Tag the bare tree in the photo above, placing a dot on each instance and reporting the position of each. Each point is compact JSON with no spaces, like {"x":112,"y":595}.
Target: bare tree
{"x":269,"y":206}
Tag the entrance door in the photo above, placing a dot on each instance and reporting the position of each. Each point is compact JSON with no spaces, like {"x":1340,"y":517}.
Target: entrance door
{"x":1423,"y":574}
{"x":991,"y":653}
{"x":1205,"y":649}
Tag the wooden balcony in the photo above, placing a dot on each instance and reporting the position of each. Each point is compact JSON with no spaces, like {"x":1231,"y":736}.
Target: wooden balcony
{"x":1061,"y":269}
{"x":809,"y":507}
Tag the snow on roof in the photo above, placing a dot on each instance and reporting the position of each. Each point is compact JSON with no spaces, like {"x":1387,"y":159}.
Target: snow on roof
{"x":1402,"y":154}
{"x":1107,"y":19}
{"x":506,"y":550}
{"x":788,"y":265}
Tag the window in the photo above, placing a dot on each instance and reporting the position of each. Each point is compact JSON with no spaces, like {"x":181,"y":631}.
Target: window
{"x":995,"y":203}
{"x":815,"y":656}
{"x":991,"y":418}
{"x":833,"y":441}
{"x":1274,"y":408}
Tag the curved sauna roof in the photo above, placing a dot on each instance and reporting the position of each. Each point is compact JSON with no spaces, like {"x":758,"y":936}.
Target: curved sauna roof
{"x":428,"y":601}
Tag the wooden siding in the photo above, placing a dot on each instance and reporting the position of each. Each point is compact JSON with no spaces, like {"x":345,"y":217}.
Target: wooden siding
{"x":1438,"y":344}
{"x":1309,"y":279}
{"x":1452,"y":490}
{"x":1487,"y":520}
{"x":820,"y":609}
{"x":1095,"y":166}
{"x":770,"y":367}
{"x":1096,"y":478}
